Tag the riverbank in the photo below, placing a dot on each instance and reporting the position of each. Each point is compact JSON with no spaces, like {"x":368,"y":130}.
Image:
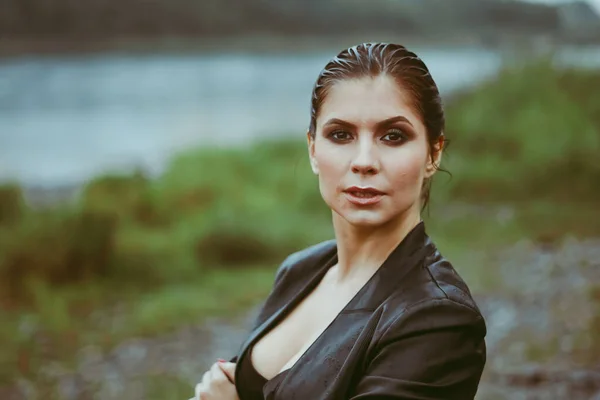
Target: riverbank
{"x":251,"y":43}
{"x":265,"y":44}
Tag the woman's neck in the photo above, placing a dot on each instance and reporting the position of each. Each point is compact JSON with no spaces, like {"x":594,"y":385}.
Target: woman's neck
{"x":362,"y":250}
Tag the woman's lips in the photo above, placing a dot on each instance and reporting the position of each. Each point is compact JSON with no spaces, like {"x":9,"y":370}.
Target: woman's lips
{"x":363,"y":196}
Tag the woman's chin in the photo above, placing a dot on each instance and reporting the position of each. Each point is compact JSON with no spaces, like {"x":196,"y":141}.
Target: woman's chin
{"x":365,"y":218}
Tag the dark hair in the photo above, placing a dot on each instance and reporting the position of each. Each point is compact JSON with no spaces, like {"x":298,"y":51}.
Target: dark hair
{"x":409,"y":71}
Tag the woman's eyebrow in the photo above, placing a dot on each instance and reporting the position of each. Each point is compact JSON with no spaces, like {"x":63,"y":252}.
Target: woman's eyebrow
{"x":385,"y":122}
{"x":393,"y":120}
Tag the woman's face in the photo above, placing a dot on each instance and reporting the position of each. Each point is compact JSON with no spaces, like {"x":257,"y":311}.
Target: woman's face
{"x":370,"y":151}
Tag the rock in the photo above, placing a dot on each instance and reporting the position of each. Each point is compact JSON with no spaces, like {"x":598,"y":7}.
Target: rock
{"x":544,"y":322}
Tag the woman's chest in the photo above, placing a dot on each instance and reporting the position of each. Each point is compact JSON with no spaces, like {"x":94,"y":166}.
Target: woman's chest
{"x":329,"y":366}
{"x":284,"y":344}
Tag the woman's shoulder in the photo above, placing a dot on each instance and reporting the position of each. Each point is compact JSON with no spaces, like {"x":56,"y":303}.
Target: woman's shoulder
{"x":292,"y":274}
{"x":307,"y":259}
{"x":447,"y":284}
{"x":434,"y":294}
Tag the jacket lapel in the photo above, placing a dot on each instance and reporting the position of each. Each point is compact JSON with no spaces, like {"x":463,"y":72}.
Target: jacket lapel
{"x":357,"y":314}
{"x":296,"y":294}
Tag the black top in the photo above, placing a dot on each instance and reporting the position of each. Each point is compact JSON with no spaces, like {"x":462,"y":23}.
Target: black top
{"x":413,"y":331}
{"x":253,"y":386}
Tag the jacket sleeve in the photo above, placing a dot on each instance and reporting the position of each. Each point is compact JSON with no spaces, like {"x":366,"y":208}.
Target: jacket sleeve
{"x":433,"y":351}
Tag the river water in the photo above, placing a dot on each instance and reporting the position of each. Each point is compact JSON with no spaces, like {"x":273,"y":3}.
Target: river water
{"x":65,"y":119}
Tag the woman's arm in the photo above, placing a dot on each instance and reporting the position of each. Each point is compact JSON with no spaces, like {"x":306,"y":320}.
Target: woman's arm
{"x":433,"y":351}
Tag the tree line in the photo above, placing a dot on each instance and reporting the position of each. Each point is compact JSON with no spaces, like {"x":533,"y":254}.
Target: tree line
{"x":147,"y":18}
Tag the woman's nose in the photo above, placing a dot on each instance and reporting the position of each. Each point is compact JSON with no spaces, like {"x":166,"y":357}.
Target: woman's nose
{"x":365,"y":160}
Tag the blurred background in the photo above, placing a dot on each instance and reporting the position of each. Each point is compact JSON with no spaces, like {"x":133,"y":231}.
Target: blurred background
{"x":154,"y":174}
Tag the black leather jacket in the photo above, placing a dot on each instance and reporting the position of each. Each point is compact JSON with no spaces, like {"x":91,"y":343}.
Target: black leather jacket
{"x":412,"y":332}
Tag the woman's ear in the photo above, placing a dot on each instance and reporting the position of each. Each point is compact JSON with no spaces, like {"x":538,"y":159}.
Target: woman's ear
{"x":435,"y":158}
{"x":311,"y":153}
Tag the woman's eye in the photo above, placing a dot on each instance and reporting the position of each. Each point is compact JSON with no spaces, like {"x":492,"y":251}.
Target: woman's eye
{"x":340,"y":135}
{"x":394,"y":136}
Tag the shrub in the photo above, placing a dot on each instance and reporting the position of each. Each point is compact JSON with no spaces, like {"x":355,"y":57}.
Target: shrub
{"x":128,"y":196}
{"x":532,"y":132}
{"x":58,"y":247}
{"x":230,"y":247}
{"x":240,"y":207}
{"x":11,"y":204}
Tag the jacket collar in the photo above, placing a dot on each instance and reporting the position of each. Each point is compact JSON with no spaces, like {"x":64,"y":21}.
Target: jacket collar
{"x":409,"y":253}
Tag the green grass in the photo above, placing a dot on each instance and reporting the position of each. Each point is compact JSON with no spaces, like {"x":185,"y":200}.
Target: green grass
{"x":106,"y":313}
{"x":173,"y":250}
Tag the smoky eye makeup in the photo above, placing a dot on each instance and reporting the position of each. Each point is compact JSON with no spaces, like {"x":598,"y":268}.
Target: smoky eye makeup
{"x":395,"y":133}
{"x":334,"y":129}
{"x":394,"y":137}
{"x":338,"y":135}
{"x":399,"y":129}
{"x":404,"y":131}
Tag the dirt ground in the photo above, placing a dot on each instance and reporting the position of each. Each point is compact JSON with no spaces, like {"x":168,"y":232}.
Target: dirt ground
{"x":543,"y":338}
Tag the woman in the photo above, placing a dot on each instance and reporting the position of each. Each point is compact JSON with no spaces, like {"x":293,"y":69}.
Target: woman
{"x":377,"y":313}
